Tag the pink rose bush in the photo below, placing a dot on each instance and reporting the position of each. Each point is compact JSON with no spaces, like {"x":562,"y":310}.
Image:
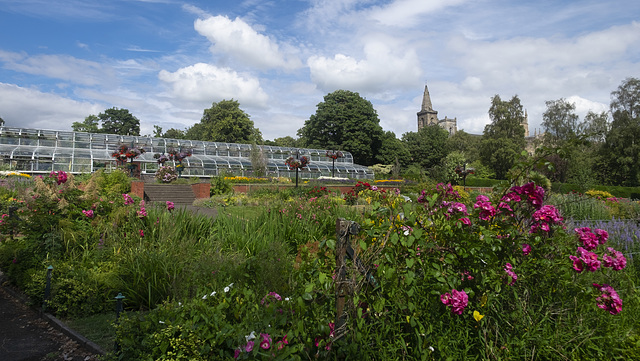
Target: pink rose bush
{"x":457,"y":300}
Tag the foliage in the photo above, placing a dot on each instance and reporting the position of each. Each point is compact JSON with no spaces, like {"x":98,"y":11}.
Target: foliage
{"x":393,"y":150}
{"x":112,"y":184}
{"x":621,"y":151}
{"x":258,"y":161}
{"x":427,"y":146}
{"x":220,"y":185}
{"x":225,"y":122}
{"x":114,"y":121}
{"x":560,"y":122}
{"x":503,"y":138}
{"x":344,"y":120}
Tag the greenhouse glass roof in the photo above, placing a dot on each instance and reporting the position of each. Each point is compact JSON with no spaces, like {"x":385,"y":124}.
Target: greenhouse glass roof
{"x":43,"y":151}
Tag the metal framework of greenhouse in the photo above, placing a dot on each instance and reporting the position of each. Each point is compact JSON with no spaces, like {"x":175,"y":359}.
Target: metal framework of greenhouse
{"x":38,"y":151}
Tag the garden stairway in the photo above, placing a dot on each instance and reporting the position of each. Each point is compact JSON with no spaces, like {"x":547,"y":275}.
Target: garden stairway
{"x":179,"y":194}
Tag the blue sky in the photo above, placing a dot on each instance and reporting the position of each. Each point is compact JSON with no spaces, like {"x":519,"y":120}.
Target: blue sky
{"x":166,"y":61}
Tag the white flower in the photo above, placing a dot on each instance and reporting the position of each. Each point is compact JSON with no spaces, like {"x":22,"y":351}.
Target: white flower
{"x":286,"y":298}
{"x":213,"y":293}
{"x":160,"y":321}
{"x":226,"y":289}
{"x":251,"y":336}
{"x":431,"y":348}
{"x":204,"y":297}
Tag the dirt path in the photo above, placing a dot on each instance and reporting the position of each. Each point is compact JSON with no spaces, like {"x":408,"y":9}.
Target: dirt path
{"x":25,"y":336}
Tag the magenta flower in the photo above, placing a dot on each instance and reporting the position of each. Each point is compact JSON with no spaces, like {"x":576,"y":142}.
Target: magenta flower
{"x":456,"y":299}
{"x":526,"y":249}
{"x":486,"y":209}
{"x":614,"y":259}
{"x":127,"y":199}
{"x":282,"y":343}
{"x":141,"y":233}
{"x":544,"y":217}
{"x":602,"y":235}
{"x":60,"y":176}
{"x":236,"y":353}
{"x":508,"y":268}
{"x":170,"y":206}
{"x":88,"y":213}
{"x":142,"y":212}
{"x":609,"y":299}
{"x":588,"y":260}
{"x":249,"y":346}
{"x":589,"y":240}
{"x":269,"y":296}
{"x":265,"y":344}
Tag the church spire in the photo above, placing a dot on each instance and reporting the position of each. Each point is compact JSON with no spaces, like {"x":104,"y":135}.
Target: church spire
{"x":426,"y":100}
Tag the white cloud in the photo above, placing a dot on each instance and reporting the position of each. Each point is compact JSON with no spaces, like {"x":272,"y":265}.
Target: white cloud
{"x":240,"y":40}
{"x":207,"y":83}
{"x":381,"y":69}
{"x":29,"y":108}
{"x":406,"y":13}
{"x":583,"y":106}
{"x":64,"y":67}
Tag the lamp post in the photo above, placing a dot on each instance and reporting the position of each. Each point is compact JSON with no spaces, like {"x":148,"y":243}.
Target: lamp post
{"x":463,"y":171}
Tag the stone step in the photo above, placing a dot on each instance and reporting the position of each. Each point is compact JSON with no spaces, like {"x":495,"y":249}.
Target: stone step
{"x":176,"y":193}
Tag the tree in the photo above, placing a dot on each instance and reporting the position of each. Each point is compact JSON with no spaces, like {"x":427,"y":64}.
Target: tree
{"x":393,"y":150}
{"x":119,"y":121}
{"x":468,"y":144}
{"x":595,"y":127}
{"x":174,"y":133}
{"x":287,"y":141}
{"x":621,"y":150}
{"x":344,"y":121}
{"x":560,"y":122}
{"x":503,"y":138}
{"x":1,"y":121}
{"x":91,"y":124}
{"x":427,"y":146}
{"x":225,"y":122}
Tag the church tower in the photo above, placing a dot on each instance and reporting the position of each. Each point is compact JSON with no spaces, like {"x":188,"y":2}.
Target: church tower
{"x":426,"y":115}
{"x":525,"y":124}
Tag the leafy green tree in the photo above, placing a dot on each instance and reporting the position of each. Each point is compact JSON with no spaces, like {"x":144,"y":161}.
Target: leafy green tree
{"x":287,"y":141}
{"x":344,"y":120}
{"x":427,"y":146}
{"x":468,"y":144}
{"x":560,"y":122}
{"x":174,"y":133}
{"x":620,"y":162}
{"x":503,"y":138}
{"x":595,"y":127}
{"x":91,"y":124}
{"x":225,"y":122}
{"x":393,"y":150}
{"x":119,"y":121}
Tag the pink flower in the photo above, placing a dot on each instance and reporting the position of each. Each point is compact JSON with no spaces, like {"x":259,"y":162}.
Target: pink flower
{"x":142,"y":212}
{"x":270,"y":295}
{"x":602,"y":235}
{"x":609,"y":299}
{"x":456,"y":299}
{"x":465,"y":221}
{"x":282,"y":343}
{"x":265,"y":344}
{"x":588,"y":260}
{"x":249,"y":346}
{"x":589,"y":240}
{"x":127,"y":199}
{"x":482,"y":198}
{"x":614,"y":259}
{"x":508,"y":268}
{"x":170,"y":206}
{"x":61,"y":177}
{"x":544,"y":217}
{"x":88,"y":213}
{"x":141,"y":233}
{"x":526,"y":249}
{"x":236,"y":353}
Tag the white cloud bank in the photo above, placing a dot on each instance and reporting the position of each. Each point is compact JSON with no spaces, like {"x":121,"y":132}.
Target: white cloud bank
{"x":206,"y":83}
{"x":240,"y":40}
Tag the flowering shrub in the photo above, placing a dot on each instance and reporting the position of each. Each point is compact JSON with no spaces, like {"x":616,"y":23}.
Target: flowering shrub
{"x":334,"y":154}
{"x":351,"y":197}
{"x":294,"y":163}
{"x":125,"y":152}
{"x":166,"y":174}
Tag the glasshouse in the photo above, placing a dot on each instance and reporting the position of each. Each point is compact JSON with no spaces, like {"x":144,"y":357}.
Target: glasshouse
{"x":42,"y":151}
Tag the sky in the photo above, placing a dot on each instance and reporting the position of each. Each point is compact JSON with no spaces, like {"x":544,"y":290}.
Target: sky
{"x":166,"y":61}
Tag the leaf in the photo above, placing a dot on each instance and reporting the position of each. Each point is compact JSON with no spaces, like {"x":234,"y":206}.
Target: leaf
{"x":410,"y":262}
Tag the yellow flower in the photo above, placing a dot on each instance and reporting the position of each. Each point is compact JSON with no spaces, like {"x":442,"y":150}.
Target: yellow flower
{"x":477,"y":316}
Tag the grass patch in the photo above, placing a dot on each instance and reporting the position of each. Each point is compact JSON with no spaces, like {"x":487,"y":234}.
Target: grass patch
{"x":244,"y":212}
{"x":97,"y":328}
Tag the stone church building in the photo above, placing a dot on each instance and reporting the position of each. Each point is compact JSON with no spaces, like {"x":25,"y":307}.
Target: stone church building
{"x":427,"y":116}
